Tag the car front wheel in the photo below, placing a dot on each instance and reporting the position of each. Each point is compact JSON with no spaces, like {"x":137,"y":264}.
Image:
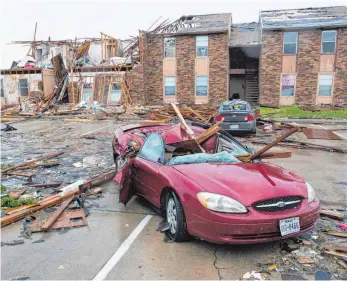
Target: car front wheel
{"x":175,"y":217}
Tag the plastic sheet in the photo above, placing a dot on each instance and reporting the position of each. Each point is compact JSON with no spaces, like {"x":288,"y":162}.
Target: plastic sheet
{"x":221,"y":157}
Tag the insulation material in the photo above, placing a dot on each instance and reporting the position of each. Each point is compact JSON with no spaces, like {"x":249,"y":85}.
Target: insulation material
{"x":312,"y":133}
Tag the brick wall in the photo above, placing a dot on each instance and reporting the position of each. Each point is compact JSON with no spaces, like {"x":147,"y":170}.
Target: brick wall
{"x":218,"y":50}
{"x":185,"y":58}
{"x":307,"y":66}
{"x":340,"y":84}
{"x":270,"y":68}
{"x":135,"y":82}
{"x":153,"y":69}
{"x":146,"y":80}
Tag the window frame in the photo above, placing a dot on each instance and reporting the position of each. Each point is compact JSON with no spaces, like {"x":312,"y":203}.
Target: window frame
{"x":282,"y":74}
{"x":196,"y":80}
{"x":321,"y":43}
{"x":174,"y":50}
{"x":87,"y":86}
{"x":332,"y":85}
{"x":109,"y":100}
{"x":196,"y":46}
{"x":20,"y":88}
{"x":296,"y":43}
{"x":163,"y":152}
{"x":165,"y":86}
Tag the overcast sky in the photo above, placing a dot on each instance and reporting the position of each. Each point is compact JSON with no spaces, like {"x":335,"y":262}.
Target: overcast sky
{"x":68,"y":19}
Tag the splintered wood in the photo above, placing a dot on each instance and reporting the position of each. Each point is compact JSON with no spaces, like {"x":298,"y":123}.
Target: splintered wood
{"x":198,"y":113}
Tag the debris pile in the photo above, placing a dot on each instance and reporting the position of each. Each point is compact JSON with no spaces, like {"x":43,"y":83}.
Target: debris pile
{"x":270,"y":129}
{"x":323,"y":251}
{"x":63,"y":217}
{"x":165,"y":114}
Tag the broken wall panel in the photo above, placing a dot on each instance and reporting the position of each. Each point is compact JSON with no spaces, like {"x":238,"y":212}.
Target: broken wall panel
{"x":20,"y":85}
{"x":312,"y":133}
{"x":48,"y":81}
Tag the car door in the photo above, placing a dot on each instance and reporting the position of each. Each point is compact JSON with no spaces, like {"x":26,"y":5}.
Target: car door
{"x":146,"y":168}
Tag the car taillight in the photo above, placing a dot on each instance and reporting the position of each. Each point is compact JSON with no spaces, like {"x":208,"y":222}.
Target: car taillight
{"x":249,"y":118}
{"x":219,"y":118}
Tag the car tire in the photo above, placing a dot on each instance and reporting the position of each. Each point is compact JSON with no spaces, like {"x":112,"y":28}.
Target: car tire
{"x":176,"y":219}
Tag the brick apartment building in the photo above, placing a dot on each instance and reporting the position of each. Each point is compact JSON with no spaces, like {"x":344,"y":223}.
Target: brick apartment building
{"x":296,"y":56}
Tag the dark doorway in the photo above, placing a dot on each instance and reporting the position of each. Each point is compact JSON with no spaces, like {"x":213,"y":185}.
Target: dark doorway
{"x":237,"y":86}
{"x":244,"y":71}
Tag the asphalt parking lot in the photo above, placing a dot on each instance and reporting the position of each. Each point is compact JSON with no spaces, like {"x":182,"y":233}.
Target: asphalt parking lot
{"x":82,"y":253}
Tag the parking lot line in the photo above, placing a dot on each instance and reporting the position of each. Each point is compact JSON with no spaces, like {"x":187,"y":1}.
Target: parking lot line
{"x":102,"y":274}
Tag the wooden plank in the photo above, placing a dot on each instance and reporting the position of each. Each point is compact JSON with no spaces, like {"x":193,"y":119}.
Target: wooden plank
{"x":335,"y":254}
{"x":15,"y":194}
{"x":332,"y":214}
{"x":267,"y":147}
{"x":314,"y":133}
{"x":336,"y":247}
{"x":266,"y":155}
{"x":338,"y":234}
{"x":45,"y":185}
{"x":69,"y":218}
{"x":208,"y":133}
{"x":99,"y":180}
{"x":342,"y":263}
{"x":11,"y":211}
{"x":48,"y":224}
{"x":49,"y":203}
{"x":48,"y":156}
{"x":183,"y":122}
{"x":197,"y":114}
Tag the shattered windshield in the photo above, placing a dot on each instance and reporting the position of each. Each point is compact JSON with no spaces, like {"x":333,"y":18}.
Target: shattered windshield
{"x":221,"y":157}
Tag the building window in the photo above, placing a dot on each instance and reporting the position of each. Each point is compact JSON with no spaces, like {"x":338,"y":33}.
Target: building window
{"x":23,"y":87}
{"x":288,"y":85}
{"x":201,"y":46}
{"x":290,"y":42}
{"x":38,"y":56}
{"x":2,"y":88}
{"x":328,"y":41}
{"x":170,"y":86}
{"x":325,"y":85}
{"x":116,"y":91}
{"x":169,"y":47}
{"x":87,"y":93}
{"x":201,"y":87}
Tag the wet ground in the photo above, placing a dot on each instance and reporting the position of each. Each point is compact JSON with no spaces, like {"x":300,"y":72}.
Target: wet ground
{"x":81,"y":253}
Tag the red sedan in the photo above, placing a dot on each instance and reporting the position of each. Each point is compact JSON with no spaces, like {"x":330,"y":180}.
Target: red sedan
{"x":211,"y":195}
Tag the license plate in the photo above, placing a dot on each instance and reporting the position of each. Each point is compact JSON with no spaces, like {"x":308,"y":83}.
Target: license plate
{"x":234,"y":126}
{"x":289,"y":226}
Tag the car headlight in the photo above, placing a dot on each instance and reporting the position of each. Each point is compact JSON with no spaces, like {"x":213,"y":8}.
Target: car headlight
{"x":220,"y":203}
{"x":311,"y":195}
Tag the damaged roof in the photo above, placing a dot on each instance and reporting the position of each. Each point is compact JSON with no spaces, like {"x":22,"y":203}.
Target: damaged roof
{"x":195,"y":24}
{"x":244,"y":34}
{"x":304,"y":18}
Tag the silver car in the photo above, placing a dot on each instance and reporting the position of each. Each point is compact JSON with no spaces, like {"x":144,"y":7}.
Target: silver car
{"x":236,"y":116}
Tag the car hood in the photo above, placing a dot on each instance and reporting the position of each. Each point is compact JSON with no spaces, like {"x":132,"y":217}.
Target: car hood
{"x":245,"y":182}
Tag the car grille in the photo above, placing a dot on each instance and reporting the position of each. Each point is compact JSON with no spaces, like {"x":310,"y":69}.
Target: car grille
{"x":278,"y":204}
